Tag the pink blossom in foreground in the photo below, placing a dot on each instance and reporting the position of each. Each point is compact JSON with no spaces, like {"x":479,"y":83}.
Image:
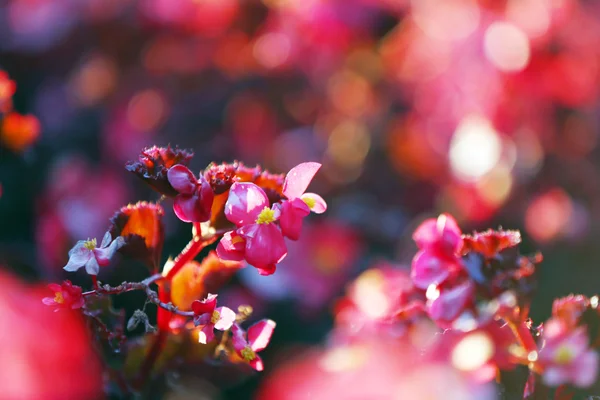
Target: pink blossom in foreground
{"x":258,"y":338}
{"x":210,"y":317}
{"x":263,"y":243}
{"x":439,"y":241}
{"x":195,"y":198}
{"x":447,"y":304}
{"x":66,"y":295}
{"x":45,"y":355}
{"x":299,"y":204}
{"x":86,"y":254}
{"x":442,"y":234}
{"x":566,"y":356}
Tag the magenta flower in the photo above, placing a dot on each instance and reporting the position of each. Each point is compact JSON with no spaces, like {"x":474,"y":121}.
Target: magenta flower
{"x":258,"y":240}
{"x":299,"y":204}
{"x":566,"y":356}
{"x":66,"y":295}
{"x":195,"y":198}
{"x":210,"y":317}
{"x":447,"y":304}
{"x":86,"y":254}
{"x":259,"y":336}
{"x":441,"y":234}
{"x":432,"y":268}
{"x":439,"y":241}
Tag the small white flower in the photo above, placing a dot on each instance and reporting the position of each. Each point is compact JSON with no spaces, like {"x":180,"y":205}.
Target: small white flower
{"x":86,"y":254}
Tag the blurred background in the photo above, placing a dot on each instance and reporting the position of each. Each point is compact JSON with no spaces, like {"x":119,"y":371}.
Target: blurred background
{"x":487,"y":109}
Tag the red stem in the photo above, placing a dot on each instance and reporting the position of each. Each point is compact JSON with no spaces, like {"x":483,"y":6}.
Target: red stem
{"x":190,"y":251}
{"x":523,"y":335}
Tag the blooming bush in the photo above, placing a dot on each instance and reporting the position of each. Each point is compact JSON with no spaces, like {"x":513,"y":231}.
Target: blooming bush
{"x":485,"y":111}
{"x":253,"y":235}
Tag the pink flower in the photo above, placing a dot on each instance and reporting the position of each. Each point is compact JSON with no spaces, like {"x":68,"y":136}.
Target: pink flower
{"x":432,"y":268}
{"x":447,"y":304}
{"x":85,"y":253}
{"x":66,"y":295}
{"x":259,"y":336}
{"x":299,"y":204}
{"x":442,"y":234}
{"x":566,"y":356}
{"x":210,"y":317}
{"x":195,"y":198}
{"x":439,"y":241}
{"x":258,"y":240}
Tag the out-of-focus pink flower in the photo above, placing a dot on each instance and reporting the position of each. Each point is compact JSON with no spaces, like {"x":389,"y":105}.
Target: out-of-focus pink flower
{"x":195,"y":198}
{"x":446,"y":304}
{"x":439,"y":241}
{"x":66,"y":295}
{"x":379,"y":301}
{"x":566,"y":356}
{"x":442,"y":234}
{"x":258,"y":335}
{"x":87,"y":254}
{"x":432,"y":268}
{"x":299,"y":204}
{"x":45,"y":355}
{"x":210,"y":317}
{"x":248,"y":207}
{"x":569,"y":309}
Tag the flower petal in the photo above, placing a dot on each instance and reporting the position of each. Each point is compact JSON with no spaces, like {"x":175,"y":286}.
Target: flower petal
{"x":298,"y":179}
{"x":428,"y":268}
{"x":451,"y":303}
{"x":292,"y":214}
{"x":103,"y":255}
{"x":238,"y":339}
{"x":586,"y":369}
{"x":246,"y":200}
{"x":226,"y":320}
{"x":231,"y":247}
{"x":182,"y":179}
{"x":55,"y":287}
{"x":267,"y":270}
{"x":257,"y":363}
{"x":442,"y":233}
{"x":78,"y":256}
{"x":49,"y":301}
{"x":185,"y":207}
{"x":106,"y":239}
{"x":205,"y":306}
{"x":92,"y":267}
{"x":320,"y":205}
{"x":260,"y":334}
{"x":266,"y":247}
{"x":206,"y":334}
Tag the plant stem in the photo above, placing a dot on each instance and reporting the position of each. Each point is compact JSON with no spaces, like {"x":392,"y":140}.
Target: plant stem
{"x":190,"y":251}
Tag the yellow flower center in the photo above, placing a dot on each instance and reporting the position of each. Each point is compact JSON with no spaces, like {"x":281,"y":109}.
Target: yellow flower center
{"x":309,"y":202}
{"x":564,"y":355}
{"x":266,"y":216}
{"x":248,"y":354}
{"x":215,"y":317}
{"x":90,"y":244}
{"x":58,"y":298}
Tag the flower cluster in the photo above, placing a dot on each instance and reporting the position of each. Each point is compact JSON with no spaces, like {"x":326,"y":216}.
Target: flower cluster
{"x":251,"y":210}
{"x":461,"y":315}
